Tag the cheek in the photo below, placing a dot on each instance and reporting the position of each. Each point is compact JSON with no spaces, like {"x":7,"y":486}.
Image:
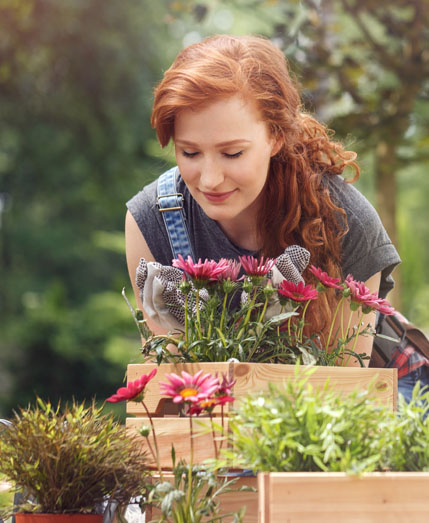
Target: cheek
{"x":187,"y":171}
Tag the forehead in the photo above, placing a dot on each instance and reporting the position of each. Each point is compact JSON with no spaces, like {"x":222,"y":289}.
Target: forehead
{"x":228,"y":117}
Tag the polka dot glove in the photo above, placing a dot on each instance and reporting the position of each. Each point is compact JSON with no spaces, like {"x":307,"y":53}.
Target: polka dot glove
{"x":162,"y":300}
{"x":289,"y":266}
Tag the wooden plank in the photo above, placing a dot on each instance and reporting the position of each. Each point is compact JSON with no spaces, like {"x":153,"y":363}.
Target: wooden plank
{"x":153,"y":400}
{"x":230,"y":501}
{"x":326,"y":497}
{"x":175,"y":431}
{"x":345,"y":379}
{"x":256,"y":376}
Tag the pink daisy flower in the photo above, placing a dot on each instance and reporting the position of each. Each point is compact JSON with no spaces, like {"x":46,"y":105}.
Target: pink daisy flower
{"x":208,"y":270}
{"x":226,"y":385}
{"x":384,"y":307}
{"x":254,"y":267}
{"x":325,"y":279}
{"x":189,"y":388}
{"x":297,"y":291}
{"x":133,"y":389}
{"x":359,"y":293}
{"x":231,"y":272}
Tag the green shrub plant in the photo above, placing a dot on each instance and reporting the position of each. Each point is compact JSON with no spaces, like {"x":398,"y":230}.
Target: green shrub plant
{"x":298,"y":428}
{"x":71,"y":459}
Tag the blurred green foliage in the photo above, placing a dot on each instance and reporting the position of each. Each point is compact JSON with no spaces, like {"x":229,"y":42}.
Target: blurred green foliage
{"x":76,"y":80}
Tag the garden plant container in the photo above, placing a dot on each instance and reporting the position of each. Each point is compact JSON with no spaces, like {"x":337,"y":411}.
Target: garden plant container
{"x":172,"y":428}
{"x":322,"y":497}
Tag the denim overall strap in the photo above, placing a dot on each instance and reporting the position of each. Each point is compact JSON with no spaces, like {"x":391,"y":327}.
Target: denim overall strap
{"x":170,"y":205}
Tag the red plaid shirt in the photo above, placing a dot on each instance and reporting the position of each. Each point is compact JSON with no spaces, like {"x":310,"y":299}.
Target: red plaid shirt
{"x":406,"y":359}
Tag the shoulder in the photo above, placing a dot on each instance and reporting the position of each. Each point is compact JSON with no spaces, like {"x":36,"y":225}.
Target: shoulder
{"x":367,"y":248}
{"x":354,"y":203}
{"x":143,"y":203}
{"x":143,"y":208}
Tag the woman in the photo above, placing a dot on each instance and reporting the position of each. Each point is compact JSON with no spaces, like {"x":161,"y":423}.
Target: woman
{"x":257,"y":174}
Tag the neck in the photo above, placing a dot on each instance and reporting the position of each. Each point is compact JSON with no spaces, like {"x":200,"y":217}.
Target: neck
{"x":242,"y":233}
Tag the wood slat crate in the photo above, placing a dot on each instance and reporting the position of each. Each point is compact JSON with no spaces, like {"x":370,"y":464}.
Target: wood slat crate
{"x":306,"y":497}
{"x":176,"y":431}
{"x":171,"y":428}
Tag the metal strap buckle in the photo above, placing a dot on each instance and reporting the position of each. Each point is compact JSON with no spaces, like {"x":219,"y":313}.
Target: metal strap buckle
{"x":163,"y":209}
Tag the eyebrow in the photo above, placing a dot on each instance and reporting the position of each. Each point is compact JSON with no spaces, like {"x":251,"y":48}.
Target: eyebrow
{"x":220,"y":144}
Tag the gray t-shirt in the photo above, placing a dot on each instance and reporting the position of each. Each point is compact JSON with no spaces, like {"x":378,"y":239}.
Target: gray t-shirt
{"x":366,"y":247}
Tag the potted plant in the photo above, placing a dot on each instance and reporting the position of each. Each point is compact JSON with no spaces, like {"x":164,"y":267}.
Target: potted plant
{"x":255,"y":342}
{"x":190,"y":492}
{"x":320,"y":456}
{"x":69,"y":462}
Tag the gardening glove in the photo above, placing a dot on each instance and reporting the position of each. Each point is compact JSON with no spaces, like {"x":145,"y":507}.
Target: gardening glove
{"x":159,"y":293}
{"x":162,"y":300}
{"x":289,"y":266}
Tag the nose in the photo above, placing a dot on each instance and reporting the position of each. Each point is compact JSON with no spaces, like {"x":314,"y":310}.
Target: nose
{"x":211,"y":175}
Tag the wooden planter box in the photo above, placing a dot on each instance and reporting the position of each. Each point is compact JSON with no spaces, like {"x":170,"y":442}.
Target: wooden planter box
{"x":229,"y":502}
{"x":172,"y":428}
{"x":322,"y":497}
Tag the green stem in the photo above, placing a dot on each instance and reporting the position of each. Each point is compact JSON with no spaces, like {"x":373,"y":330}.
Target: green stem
{"x":209,"y":330}
{"x":155,"y":442}
{"x":249,"y":312}
{"x":301,"y":330}
{"x":186,"y":321}
{"x":333,"y":322}
{"x":223,"y":426}
{"x":213,"y":435}
{"x":264,"y":309}
{"x":345,"y":335}
{"x":222,"y":318}
{"x":191,"y":456}
{"x":353,"y":349}
{"x":197,"y":305}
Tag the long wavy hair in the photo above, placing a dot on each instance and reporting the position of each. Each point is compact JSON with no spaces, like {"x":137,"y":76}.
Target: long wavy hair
{"x":296,"y":206}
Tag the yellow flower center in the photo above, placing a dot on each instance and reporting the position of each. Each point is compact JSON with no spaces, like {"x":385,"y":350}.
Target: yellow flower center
{"x":185,"y":393}
{"x":208,"y":403}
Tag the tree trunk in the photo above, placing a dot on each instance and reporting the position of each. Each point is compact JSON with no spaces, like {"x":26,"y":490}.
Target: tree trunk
{"x":386,"y":188}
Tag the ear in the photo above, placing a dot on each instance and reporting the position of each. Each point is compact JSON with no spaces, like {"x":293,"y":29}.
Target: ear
{"x":277,"y":145}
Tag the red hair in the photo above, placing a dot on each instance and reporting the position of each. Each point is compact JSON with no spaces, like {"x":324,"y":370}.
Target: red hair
{"x":296,"y":204}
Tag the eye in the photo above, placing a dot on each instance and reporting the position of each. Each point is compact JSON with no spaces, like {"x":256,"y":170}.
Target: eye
{"x":235,"y":155}
{"x":189,"y":155}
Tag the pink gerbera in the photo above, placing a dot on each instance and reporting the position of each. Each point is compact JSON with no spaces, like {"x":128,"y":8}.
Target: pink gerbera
{"x":325,"y":279}
{"x":359,"y":293}
{"x":189,"y":388}
{"x":208,"y":270}
{"x":384,"y":307}
{"x":297,"y":291}
{"x":226,"y":385}
{"x":132,"y":390}
{"x":254,"y":267}
{"x":231,"y":271}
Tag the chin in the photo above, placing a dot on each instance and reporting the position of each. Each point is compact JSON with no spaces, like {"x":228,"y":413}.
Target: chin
{"x":218,"y":214}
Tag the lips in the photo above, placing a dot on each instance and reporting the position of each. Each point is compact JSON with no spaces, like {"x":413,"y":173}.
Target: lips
{"x":218,"y":196}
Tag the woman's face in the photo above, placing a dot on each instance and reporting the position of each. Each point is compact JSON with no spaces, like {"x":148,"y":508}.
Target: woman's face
{"x":223,"y":153}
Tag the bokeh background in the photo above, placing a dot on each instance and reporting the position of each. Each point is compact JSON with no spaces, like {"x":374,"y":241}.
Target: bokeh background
{"x":76,"y":81}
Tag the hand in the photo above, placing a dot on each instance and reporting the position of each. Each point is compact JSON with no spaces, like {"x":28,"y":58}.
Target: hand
{"x":161,"y":296}
{"x":289,"y":266}
{"x":159,"y":293}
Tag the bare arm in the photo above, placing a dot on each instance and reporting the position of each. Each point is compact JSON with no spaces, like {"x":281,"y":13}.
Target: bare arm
{"x":364,"y":343}
{"x":136,"y":248}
